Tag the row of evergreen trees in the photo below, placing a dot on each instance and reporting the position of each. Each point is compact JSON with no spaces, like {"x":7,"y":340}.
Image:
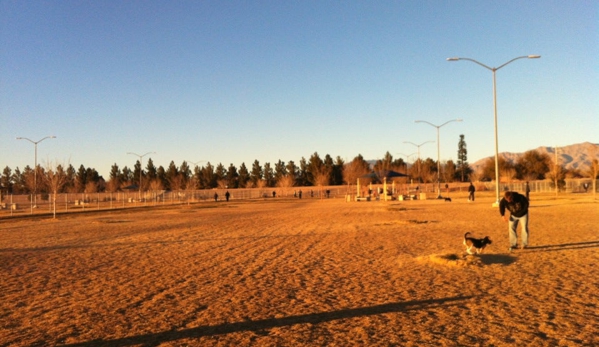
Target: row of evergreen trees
{"x":314,"y":171}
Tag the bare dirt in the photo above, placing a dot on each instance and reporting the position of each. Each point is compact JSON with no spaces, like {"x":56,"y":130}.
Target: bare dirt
{"x":289,"y":272}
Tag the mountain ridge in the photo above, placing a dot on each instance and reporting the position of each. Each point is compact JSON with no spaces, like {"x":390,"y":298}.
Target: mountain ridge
{"x":572,"y":157}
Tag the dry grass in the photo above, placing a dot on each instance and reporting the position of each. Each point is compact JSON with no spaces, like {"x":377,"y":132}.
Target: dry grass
{"x":301,"y":273}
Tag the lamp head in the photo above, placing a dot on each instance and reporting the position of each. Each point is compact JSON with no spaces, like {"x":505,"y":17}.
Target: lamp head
{"x":534,"y":56}
{"x":453,"y":59}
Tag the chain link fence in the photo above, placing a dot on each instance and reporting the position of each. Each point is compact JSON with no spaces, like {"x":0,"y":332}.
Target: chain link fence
{"x":19,"y":205}
{"x":22,"y":204}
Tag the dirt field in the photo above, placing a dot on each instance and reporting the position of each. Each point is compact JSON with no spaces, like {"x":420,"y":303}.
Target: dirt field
{"x":288,"y":272}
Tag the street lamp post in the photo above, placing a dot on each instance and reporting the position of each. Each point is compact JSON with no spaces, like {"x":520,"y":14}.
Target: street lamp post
{"x":408,"y":158}
{"x":140,"y":167}
{"x":438,"y":152}
{"x":35,"y":168}
{"x":494,"y":69}
{"x":407,"y":155}
{"x":419,"y":179}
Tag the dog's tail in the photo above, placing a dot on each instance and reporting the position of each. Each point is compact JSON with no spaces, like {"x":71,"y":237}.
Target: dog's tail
{"x":466,"y":235}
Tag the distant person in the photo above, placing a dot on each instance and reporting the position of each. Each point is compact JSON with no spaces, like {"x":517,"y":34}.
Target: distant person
{"x":274,"y":194}
{"x":517,"y":204}
{"x":300,"y":194}
{"x":215,"y":196}
{"x":471,"y":191}
{"x":586,"y":187}
{"x":227,"y":195}
{"x":527,"y":190}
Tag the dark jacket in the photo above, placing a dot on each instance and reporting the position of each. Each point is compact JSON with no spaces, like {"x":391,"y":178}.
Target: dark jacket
{"x":518,"y":207}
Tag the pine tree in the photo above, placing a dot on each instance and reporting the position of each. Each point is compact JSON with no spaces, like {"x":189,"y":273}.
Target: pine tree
{"x":463,"y":169}
{"x":6,"y":181}
{"x":256,"y":174}
{"x":232,"y":177}
{"x":244,"y":176}
{"x":269,"y":175}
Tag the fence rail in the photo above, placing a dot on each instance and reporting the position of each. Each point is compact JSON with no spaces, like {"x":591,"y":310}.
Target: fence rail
{"x":18,"y":205}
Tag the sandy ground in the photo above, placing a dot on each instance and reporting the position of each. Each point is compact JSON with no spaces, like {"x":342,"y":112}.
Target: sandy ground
{"x":305,"y":272}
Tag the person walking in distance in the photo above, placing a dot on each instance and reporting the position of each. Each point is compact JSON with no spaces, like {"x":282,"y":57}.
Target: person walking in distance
{"x":471,"y":191}
{"x":517,"y":205}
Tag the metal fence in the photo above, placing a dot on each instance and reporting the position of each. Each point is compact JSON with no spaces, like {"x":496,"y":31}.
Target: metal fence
{"x":18,"y":205}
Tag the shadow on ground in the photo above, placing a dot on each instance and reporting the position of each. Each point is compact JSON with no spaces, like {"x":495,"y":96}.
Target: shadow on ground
{"x":154,"y":339}
{"x":561,"y":247}
{"x":490,"y":259}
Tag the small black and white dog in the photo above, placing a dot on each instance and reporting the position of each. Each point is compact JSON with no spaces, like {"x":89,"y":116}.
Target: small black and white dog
{"x":447,"y":199}
{"x":477,"y":244}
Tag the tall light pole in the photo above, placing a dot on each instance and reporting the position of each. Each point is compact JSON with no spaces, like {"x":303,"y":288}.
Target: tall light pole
{"x":438,"y":152}
{"x":140,"y":167}
{"x":494,"y":69}
{"x":196,"y":163}
{"x":408,"y":158}
{"x":35,"y":168}
{"x":418,"y":154}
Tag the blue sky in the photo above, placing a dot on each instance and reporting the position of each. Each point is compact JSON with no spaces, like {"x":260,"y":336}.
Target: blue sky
{"x":235,"y":81}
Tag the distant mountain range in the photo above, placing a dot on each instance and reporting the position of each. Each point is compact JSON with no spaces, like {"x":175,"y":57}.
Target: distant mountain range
{"x":577,"y":156}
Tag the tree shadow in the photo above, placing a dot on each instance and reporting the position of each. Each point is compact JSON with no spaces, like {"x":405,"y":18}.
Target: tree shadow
{"x":154,"y":339}
{"x":562,"y":246}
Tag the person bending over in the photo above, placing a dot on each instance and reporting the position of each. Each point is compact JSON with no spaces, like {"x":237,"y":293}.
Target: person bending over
{"x":517,"y":204}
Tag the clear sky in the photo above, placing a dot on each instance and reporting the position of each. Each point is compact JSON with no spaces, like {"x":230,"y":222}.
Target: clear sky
{"x":236,"y":81}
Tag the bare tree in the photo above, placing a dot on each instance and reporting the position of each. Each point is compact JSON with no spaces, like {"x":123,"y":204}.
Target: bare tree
{"x":426,"y":174}
{"x":594,"y":168}
{"x":594,"y":171}
{"x":156,"y":184}
{"x":176,"y":181}
{"x":55,"y":179}
{"x":190,"y":187}
{"x":286,"y":183}
{"x":475,"y":176}
{"x":261,"y":184}
{"x":112,"y":185}
{"x":91,"y":187}
{"x":508,"y":173}
{"x":354,"y":170}
{"x":322,"y":178}
{"x":557,"y":175}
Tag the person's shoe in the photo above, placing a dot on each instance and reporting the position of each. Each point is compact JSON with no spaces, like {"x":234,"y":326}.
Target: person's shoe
{"x":523,"y":247}
{"x":513,"y":248}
